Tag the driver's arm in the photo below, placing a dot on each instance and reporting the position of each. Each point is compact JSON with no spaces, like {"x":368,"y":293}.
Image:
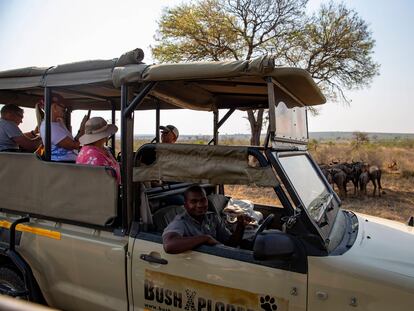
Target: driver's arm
{"x":174,"y":243}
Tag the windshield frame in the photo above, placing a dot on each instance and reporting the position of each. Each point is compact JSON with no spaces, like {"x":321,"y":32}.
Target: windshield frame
{"x":324,"y":225}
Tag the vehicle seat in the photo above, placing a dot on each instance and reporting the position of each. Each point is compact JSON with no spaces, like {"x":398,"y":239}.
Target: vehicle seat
{"x":162,"y":217}
{"x":217,"y":202}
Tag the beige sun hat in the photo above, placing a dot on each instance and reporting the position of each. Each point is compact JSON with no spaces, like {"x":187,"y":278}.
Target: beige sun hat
{"x":97,"y":128}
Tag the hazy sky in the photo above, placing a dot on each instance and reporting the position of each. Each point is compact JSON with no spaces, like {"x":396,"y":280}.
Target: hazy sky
{"x":48,"y":32}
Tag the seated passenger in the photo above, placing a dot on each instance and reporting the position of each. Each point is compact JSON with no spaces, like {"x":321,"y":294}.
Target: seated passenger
{"x":11,"y":137}
{"x":197,"y":226}
{"x":63,"y":146}
{"x":169,"y":134}
{"x":93,"y":152}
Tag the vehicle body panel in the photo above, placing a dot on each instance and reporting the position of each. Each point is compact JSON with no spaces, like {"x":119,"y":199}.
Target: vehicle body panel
{"x":226,"y":280}
{"x":83,"y":270}
{"x":376,"y":273}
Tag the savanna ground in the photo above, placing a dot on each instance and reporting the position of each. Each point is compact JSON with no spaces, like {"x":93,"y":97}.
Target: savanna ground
{"x":396,"y":160}
{"x":397,"y":199}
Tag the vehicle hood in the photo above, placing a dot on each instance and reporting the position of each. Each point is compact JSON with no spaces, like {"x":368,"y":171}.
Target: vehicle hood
{"x":375,"y":274}
{"x":385,"y":244}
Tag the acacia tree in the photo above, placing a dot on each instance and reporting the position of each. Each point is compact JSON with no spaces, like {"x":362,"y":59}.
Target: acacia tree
{"x":359,"y":138}
{"x":334,"y":44}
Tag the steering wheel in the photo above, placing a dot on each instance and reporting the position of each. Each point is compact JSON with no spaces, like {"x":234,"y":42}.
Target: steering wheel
{"x":264,"y":225}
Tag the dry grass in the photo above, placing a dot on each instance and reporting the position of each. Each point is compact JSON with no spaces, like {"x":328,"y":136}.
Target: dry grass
{"x":258,"y":195}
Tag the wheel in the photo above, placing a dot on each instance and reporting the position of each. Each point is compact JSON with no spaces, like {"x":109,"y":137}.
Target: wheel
{"x":12,"y":281}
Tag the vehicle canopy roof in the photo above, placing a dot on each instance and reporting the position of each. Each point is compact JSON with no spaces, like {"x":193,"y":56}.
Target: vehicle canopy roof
{"x":95,"y":84}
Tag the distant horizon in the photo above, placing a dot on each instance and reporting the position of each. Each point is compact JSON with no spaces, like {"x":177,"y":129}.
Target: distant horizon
{"x":264,"y":134}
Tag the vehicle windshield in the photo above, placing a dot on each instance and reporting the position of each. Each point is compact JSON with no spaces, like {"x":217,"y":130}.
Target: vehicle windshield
{"x":309,"y":186}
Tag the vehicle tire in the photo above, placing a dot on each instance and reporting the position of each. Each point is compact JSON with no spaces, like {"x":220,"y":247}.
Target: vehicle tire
{"x":12,"y":280}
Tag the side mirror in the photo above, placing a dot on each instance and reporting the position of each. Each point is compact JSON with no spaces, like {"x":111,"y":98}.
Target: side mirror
{"x":273,"y":244}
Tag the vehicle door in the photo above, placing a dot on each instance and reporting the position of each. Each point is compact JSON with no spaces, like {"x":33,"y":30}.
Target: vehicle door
{"x":211,"y":278}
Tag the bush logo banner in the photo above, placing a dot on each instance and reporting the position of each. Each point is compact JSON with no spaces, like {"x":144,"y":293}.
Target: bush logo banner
{"x":166,"y":292}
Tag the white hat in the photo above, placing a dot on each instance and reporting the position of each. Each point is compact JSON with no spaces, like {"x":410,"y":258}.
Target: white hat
{"x":97,"y":128}
{"x":170,"y":128}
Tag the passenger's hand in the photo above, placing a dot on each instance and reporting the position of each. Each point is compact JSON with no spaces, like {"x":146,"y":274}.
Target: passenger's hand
{"x":83,"y":122}
{"x":243,"y":220}
{"x":211,"y":241}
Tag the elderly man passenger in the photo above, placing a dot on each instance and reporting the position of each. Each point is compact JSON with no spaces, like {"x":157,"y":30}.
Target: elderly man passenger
{"x":93,"y":152}
{"x":11,"y":137}
{"x":64,"y":147}
{"x":197,"y":226}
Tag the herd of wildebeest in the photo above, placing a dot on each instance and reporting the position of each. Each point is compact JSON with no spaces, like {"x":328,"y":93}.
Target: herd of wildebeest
{"x":359,"y":173}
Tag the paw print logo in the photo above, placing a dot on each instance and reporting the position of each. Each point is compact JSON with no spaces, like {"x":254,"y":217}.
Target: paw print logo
{"x":268,"y":303}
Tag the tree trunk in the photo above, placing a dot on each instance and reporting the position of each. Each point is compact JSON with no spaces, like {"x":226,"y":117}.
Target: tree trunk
{"x":255,"y":118}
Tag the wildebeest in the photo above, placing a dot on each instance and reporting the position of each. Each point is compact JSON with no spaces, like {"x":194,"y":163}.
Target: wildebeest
{"x":375,"y":176}
{"x":359,"y":173}
{"x":370,"y":173}
{"x":363,"y":181}
{"x":355,"y":173}
{"x":339,"y":178}
{"x":335,"y":176}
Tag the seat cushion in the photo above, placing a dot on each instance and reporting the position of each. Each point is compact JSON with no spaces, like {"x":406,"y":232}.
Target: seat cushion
{"x":217,"y":202}
{"x":162,"y":217}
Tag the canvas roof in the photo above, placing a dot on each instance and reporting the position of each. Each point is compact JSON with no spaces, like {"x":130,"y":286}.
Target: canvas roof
{"x":96,"y":84}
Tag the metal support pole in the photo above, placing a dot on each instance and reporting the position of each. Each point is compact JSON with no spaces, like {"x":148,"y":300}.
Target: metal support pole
{"x":272,"y":106}
{"x":219,"y":124}
{"x":124,"y":152}
{"x":157,"y":122}
{"x":113,"y":142}
{"x":127,"y":153}
{"x":138,"y":99}
{"x":68,"y":120}
{"x":226,"y":116}
{"x":215,"y":126}
{"x":48,"y":118}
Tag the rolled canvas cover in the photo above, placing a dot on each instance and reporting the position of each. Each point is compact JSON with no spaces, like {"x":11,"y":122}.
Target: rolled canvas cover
{"x":297,"y":81}
{"x":67,"y":191}
{"x":204,"y":164}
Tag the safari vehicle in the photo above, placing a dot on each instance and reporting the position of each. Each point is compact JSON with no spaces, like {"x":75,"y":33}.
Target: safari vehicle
{"x":72,"y":239}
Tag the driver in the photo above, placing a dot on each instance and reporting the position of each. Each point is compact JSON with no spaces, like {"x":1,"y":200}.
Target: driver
{"x":197,"y":226}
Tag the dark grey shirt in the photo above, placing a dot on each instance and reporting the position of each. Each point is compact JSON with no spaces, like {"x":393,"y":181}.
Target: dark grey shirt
{"x":8,"y":130}
{"x":185,"y":225}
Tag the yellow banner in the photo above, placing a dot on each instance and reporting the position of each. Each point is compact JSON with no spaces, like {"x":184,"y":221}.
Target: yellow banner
{"x":166,"y":292}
